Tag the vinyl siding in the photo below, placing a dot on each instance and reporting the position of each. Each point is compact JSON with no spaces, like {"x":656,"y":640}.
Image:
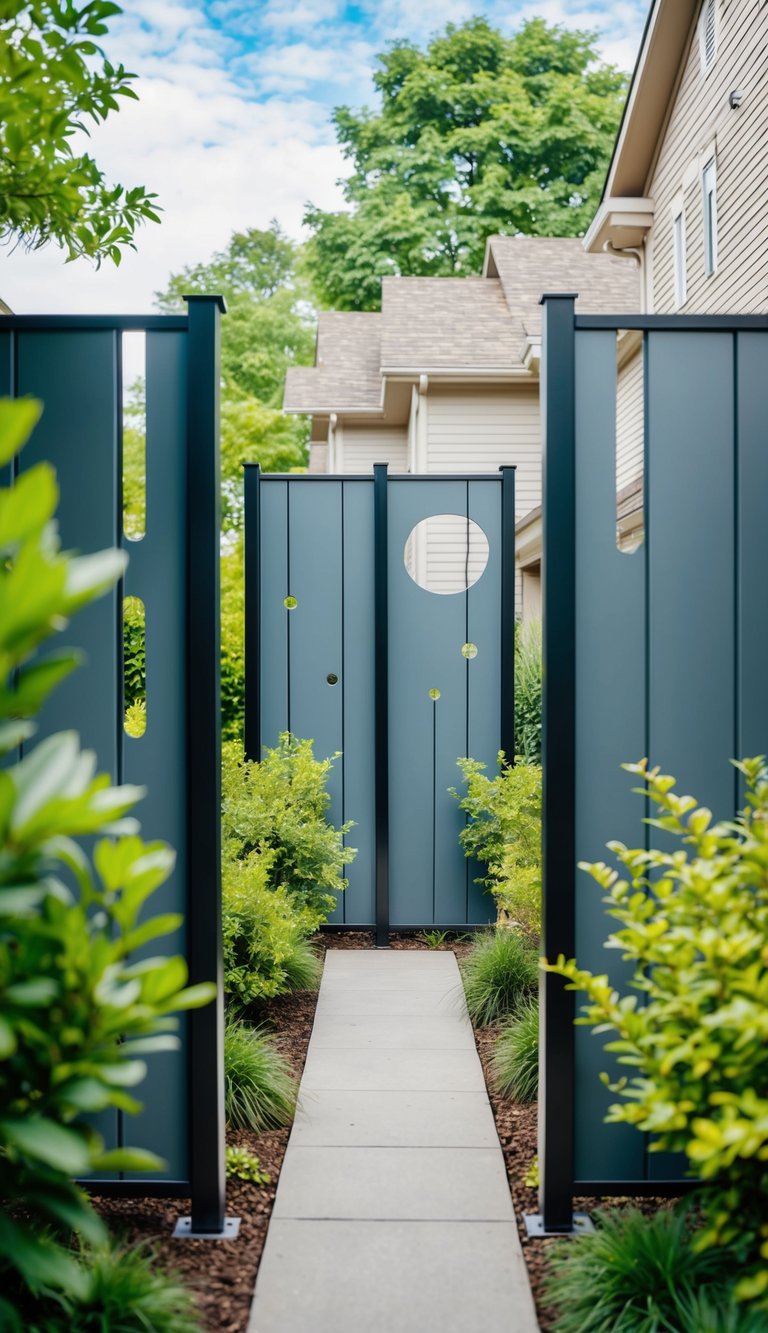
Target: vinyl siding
{"x":629,"y":420}
{"x":362,"y":446}
{"x":701,"y":116}
{"x":480,"y":430}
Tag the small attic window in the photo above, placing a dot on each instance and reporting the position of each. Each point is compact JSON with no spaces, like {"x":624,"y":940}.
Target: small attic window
{"x":708,"y":35}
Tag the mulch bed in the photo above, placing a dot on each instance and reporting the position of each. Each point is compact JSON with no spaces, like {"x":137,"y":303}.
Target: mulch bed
{"x":222,"y":1274}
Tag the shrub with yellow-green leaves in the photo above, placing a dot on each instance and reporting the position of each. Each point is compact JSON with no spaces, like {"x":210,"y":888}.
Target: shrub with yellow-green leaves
{"x":694,"y":1036}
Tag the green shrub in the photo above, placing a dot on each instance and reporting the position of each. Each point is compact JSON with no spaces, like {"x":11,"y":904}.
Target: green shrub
{"x":124,"y":1292}
{"x":279,"y":806}
{"x":499,"y":973}
{"x":631,"y":1275}
{"x":504,"y":832}
{"x":259,"y":1088}
{"x":75,"y":1012}
{"x":232,"y":642}
{"x":528,"y":685}
{"x":265,"y":947}
{"x":694,"y":922}
{"x":516,"y":1056}
{"x":245,"y":1165}
{"x":134,"y":653}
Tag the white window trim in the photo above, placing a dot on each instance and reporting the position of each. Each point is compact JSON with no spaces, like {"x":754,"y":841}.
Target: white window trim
{"x":679,"y":255}
{"x":705,"y":65}
{"x":710,"y":231}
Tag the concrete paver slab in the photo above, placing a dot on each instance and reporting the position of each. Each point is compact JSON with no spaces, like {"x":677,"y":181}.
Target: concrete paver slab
{"x":395,"y":1119}
{"x":392,"y":1277}
{"x":393,"y":1071}
{"x":417,"y":1003}
{"x":385,"y":1032}
{"x":414,"y":1184}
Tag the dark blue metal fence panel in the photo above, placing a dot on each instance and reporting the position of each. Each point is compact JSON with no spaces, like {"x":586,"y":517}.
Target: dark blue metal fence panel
{"x":663,"y":650}
{"x":73,"y":364}
{"x":317,"y":545}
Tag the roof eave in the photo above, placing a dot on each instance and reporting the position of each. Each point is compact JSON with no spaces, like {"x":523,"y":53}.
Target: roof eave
{"x":619,"y":224}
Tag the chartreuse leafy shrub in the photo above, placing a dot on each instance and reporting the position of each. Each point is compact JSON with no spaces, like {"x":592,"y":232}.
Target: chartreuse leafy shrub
{"x":503,"y":830}
{"x":242,"y":1164}
{"x":266,"y":951}
{"x":499,"y":973}
{"x":76,"y":1014}
{"x":528,"y":689}
{"x":693,"y":1037}
{"x":259,"y":1088}
{"x":516,"y":1055}
{"x":643,"y":1274}
{"x":279,"y":806}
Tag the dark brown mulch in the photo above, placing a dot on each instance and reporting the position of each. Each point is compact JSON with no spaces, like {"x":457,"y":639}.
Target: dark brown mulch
{"x":517,"y":1130}
{"x":363,"y":939}
{"x":222,"y":1273}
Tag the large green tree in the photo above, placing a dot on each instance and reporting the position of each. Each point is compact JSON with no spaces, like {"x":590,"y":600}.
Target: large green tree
{"x":478,"y":134}
{"x":55,"y":81}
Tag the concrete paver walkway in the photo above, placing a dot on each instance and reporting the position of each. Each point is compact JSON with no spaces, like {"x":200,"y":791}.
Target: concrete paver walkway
{"x":393,"y":1212}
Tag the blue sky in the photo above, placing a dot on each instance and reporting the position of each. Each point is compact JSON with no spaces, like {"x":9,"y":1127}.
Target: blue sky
{"x":232,"y":127}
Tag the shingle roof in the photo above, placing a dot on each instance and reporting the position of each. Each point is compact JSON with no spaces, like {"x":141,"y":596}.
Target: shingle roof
{"x":446,"y":323}
{"x":456,"y":323}
{"x":347,"y":369}
{"x":527,"y":266}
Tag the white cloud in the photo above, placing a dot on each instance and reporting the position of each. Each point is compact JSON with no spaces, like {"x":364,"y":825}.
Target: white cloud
{"x":232,"y":128}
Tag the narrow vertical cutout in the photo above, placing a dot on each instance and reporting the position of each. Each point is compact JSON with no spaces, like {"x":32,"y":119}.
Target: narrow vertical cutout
{"x":709,"y":191}
{"x":678,"y":242}
{"x":134,"y":667}
{"x":630,"y":440}
{"x":134,"y":350}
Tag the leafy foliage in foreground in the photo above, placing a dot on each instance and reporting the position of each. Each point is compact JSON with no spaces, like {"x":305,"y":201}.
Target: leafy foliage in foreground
{"x":504,"y":832}
{"x":499,"y":973}
{"x":76,"y":1013}
{"x":694,"y":1036}
{"x":54,"y":80}
{"x":641,"y":1274}
{"x":124,"y":1292}
{"x":478,"y":135}
{"x":516,"y":1055}
{"x":259,"y":1088}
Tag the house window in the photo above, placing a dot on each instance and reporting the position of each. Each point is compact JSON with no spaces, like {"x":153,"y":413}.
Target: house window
{"x":707,"y":35}
{"x":678,"y":237}
{"x":709,"y":189}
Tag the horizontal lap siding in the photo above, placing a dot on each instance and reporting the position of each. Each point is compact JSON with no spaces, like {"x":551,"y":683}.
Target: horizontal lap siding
{"x":362,"y":447}
{"x":700,"y":115}
{"x":629,"y":421}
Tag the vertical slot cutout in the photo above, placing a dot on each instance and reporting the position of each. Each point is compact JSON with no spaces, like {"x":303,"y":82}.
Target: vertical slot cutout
{"x":134,"y":436}
{"x":630,"y":440}
{"x":134,"y":667}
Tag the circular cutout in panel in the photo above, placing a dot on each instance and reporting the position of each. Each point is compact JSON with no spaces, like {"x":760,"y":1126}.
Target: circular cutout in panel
{"x":469,"y":650}
{"x":446,"y":553}
{"x":290,"y":603}
{"x":332,"y":678}
{"x":434,"y":695}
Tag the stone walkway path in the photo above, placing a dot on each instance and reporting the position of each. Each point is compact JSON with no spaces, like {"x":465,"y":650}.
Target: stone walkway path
{"x":393,"y":1213}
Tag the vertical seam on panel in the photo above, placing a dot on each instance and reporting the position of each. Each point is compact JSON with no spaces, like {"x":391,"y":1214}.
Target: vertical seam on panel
{"x":466,"y":719}
{"x":343,"y":693}
{"x":288,"y":593}
{"x":117,"y":349}
{"x":647,"y":598}
{"x":737,"y":617}
{"x":434,"y":810}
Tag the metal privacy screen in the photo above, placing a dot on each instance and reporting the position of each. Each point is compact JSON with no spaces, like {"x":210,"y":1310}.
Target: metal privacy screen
{"x":657,"y":651}
{"x":380,"y":624}
{"x":73,"y":364}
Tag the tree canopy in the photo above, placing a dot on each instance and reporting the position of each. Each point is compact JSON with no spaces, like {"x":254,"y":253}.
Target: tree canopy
{"x":478,"y":134}
{"x":54,"y":80}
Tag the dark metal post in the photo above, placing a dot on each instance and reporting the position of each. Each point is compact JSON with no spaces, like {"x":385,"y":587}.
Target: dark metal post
{"x":206,"y":1025}
{"x":381,"y":657}
{"x":252,"y":519}
{"x":556,"y":1067}
{"x":507,"y":709}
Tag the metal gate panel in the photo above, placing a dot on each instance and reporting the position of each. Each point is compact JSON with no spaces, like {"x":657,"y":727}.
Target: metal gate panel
{"x":657,"y":652}
{"x":316,"y":544}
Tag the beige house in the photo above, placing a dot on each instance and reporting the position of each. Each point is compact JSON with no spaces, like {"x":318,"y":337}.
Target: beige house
{"x":445,"y":378}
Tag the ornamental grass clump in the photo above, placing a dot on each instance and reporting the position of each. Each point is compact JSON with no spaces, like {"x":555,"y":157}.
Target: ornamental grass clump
{"x":125,"y":1292}
{"x":637,"y":1274}
{"x":693,"y":1037}
{"x":259,"y":1088}
{"x":499,"y":973}
{"x":528,"y":690}
{"x":516,"y":1054}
